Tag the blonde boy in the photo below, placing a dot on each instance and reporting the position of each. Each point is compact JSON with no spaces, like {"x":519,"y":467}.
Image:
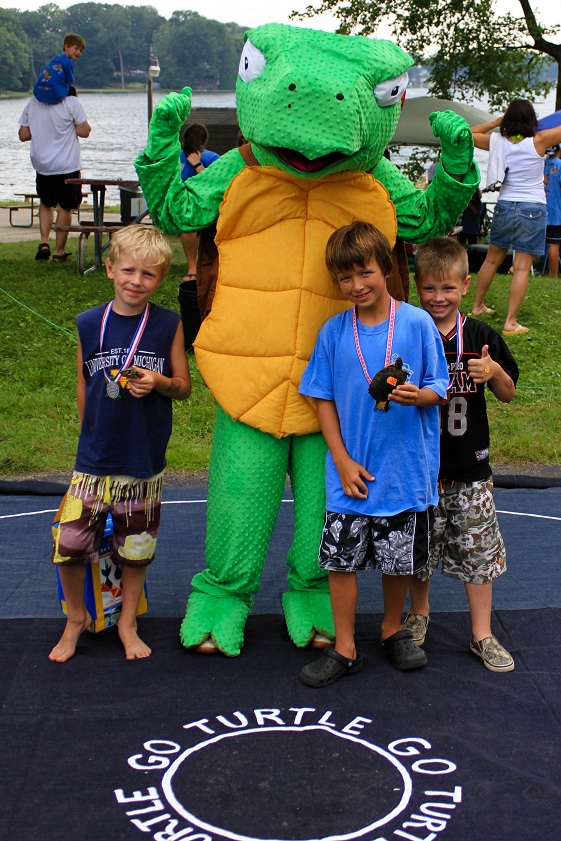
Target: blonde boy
{"x":466,"y":537}
{"x":131,"y":364}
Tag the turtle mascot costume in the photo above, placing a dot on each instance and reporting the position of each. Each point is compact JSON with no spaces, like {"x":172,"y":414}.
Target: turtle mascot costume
{"x":318,"y":111}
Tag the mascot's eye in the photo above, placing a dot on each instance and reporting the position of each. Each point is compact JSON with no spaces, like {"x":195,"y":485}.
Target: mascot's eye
{"x":252,"y":63}
{"x":389,"y":92}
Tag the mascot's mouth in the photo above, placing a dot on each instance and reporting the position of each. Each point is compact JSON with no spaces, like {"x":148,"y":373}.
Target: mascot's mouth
{"x":301,"y":163}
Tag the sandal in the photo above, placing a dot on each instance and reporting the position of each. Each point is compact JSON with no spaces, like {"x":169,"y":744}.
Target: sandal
{"x":329,"y":668}
{"x":61,"y":258}
{"x":403,"y":652}
{"x":43,"y":252}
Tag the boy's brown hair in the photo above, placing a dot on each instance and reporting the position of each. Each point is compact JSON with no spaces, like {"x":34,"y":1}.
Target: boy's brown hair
{"x":143,"y":241}
{"x":356,"y":245}
{"x":71,"y":39}
{"x":440,"y":257}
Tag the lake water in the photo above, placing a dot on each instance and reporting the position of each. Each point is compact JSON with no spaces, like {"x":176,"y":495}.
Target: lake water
{"x":119,"y":131}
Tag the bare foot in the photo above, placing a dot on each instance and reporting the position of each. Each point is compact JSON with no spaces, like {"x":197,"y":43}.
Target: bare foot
{"x":483,"y":311}
{"x":66,"y":646}
{"x":135,"y":649}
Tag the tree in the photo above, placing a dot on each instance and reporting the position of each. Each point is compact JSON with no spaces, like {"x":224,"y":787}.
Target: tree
{"x":199,"y":52}
{"x":45,"y":29}
{"x":15,"y":53}
{"x":471,"y":51}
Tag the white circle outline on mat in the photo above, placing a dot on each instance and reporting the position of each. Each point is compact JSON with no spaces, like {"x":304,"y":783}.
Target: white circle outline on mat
{"x":172,"y":800}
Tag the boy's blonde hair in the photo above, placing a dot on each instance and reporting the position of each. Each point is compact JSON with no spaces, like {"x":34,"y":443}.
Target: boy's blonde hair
{"x":356,"y":245}
{"x":143,"y":241}
{"x":71,"y":39}
{"x":440,"y":257}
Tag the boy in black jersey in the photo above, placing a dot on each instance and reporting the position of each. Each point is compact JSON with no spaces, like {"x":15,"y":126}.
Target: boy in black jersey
{"x":466,"y":537}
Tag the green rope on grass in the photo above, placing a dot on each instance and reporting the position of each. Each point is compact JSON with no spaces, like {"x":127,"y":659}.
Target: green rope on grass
{"x":52,"y":323}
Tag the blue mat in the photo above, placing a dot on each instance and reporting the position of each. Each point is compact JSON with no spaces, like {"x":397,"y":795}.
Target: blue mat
{"x":181,"y":746}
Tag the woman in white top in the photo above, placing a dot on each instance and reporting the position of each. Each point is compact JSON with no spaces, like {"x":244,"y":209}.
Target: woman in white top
{"x":520,"y":217}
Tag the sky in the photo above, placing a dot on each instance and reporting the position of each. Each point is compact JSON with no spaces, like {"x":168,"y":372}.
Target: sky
{"x":256,"y":12}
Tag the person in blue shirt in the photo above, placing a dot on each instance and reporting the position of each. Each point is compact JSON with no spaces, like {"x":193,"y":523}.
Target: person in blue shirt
{"x":381,"y":466}
{"x":194,"y":158}
{"x":552,"y":178}
{"x":131,"y":364}
{"x":56,"y":77}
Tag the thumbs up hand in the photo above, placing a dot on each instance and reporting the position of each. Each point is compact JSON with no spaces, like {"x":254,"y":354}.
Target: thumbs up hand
{"x":483,"y":369}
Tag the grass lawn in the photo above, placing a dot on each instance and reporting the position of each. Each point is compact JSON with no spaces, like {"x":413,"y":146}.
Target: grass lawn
{"x":38,"y":423}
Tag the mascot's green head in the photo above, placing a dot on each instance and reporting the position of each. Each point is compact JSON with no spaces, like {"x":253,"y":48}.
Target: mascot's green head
{"x":313,"y":103}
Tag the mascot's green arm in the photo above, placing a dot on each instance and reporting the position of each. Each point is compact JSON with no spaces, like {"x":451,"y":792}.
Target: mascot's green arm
{"x":422,"y":214}
{"x":178,"y":206}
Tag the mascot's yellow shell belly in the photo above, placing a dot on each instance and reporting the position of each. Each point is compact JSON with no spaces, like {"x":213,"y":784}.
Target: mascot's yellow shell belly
{"x":274,"y":292}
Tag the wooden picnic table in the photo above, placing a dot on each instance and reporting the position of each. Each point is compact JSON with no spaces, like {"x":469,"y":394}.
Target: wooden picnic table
{"x":29,"y":199}
{"x":98,"y":187}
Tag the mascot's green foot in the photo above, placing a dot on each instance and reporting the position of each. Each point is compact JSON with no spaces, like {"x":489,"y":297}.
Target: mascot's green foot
{"x":222,"y":620}
{"x":307,"y":614}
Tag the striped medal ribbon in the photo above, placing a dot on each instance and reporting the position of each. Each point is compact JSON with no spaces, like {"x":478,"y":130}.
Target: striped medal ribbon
{"x":112,"y":387}
{"x":389,"y":342}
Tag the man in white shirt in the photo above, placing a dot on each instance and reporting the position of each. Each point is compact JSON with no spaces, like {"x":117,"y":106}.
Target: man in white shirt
{"x":55,"y":155}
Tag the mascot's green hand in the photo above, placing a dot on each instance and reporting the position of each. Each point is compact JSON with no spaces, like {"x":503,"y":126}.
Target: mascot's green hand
{"x":456,"y":141}
{"x":167,"y":119}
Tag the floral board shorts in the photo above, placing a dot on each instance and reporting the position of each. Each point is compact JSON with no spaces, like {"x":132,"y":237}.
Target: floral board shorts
{"x":397,"y":545}
{"x":466,"y":539}
{"x":134,"y":505}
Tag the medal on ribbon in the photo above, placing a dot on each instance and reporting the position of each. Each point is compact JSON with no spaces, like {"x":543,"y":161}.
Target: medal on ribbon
{"x":383,"y":383}
{"x":112,"y":389}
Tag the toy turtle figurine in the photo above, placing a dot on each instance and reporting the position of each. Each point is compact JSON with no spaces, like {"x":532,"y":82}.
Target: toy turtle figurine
{"x":384,"y":382}
{"x":318,"y":111}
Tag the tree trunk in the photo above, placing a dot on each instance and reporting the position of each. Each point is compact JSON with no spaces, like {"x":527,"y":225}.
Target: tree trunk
{"x":541,"y":45}
{"x":122,"y":70}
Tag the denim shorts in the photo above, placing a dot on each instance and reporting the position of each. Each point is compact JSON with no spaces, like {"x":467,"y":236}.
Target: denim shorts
{"x":519,"y":225}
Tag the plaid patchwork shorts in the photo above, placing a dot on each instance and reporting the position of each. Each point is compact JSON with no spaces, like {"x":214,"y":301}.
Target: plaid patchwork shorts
{"x":397,"y":545}
{"x":466,"y":539}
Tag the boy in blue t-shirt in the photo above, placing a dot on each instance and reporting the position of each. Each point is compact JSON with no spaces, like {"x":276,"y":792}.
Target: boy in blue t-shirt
{"x":56,"y":77}
{"x":382,"y":465}
{"x":131,"y":364}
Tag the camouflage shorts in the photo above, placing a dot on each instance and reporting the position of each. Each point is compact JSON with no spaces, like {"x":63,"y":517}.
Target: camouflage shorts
{"x":466,"y":537}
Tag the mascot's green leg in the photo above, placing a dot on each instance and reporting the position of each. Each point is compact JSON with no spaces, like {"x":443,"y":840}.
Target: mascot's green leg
{"x":306,"y":606}
{"x":246,"y":482}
